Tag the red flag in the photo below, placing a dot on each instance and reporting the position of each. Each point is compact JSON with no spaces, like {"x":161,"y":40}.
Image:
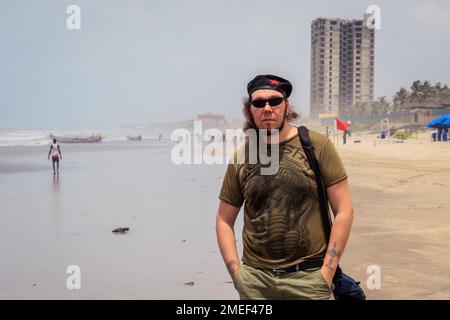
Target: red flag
{"x":341,"y":125}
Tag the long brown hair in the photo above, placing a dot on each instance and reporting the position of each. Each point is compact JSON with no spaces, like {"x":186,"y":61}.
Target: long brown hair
{"x":249,"y":122}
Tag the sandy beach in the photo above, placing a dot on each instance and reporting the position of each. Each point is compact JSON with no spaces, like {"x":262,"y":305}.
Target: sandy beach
{"x":401,"y":200}
{"x":400,"y":194}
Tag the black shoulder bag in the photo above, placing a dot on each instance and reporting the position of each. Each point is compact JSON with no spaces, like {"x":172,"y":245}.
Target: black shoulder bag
{"x":345,"y":288}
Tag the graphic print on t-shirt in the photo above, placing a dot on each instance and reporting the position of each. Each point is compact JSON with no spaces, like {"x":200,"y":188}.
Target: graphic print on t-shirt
{"x":280,"y":206}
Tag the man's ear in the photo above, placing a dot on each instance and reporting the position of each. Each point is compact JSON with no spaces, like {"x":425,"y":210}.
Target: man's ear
{"x":288,"y":107}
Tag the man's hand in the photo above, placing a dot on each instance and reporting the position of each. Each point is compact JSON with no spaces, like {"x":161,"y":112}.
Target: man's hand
{"x":233,"y":267}
{"x":328,"y":275}
{"x":341,"y":204}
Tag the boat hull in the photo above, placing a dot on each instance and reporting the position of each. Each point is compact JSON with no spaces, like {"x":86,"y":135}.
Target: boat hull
{"x":91,"y":139}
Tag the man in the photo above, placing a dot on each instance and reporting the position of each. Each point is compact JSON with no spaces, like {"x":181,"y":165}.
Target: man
{"x":285,"y":253}
{"x":328,"y":132}
{"x":55,"y":153}
{"x":349,"y":128}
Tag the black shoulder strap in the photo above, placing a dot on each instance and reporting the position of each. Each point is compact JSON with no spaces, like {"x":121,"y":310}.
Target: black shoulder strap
{"x":303,"y":134}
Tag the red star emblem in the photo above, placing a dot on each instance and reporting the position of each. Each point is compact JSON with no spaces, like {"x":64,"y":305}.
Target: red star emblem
{"x":274,"y":83}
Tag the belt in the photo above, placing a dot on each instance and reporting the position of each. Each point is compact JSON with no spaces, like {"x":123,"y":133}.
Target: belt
{"x":299,"y":267}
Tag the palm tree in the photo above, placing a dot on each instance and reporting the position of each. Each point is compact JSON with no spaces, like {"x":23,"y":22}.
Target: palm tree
{"x":384,"y":104}
{"x":362,"y":108}
{"x":401,"y":97}
{"x":438,"y":86}
{"x":376,"y":107}
{"x":416,"y":91}
{"x":437,"y":91}
{"x":427,"y":90}
{"x":422,"y":92}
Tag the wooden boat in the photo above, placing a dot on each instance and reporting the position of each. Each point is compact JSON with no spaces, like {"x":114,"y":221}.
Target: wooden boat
{"x":68,"y":139}
{"x":135,"y":138}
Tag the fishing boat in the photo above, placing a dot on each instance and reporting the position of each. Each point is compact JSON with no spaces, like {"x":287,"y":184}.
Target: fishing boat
{"x":76,"y":139}
{"x":135,"y":138}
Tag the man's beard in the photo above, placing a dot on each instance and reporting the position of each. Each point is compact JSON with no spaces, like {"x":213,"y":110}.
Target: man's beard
{"x":278,"y":130}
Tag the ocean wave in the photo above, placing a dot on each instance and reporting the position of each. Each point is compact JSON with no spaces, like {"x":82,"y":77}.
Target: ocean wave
{"x":11,"y":138}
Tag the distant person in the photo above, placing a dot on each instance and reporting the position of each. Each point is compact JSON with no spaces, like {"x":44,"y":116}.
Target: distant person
{"x":434,"y":135}
{"x":328,"y":132}
{"x":349,"y":130}
{"x":159,"y":137}
{"x":440,"y":134}
{"x":55,"y":153}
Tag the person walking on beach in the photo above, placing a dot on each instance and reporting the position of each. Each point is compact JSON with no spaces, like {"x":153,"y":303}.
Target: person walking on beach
{"x":285,"y":252}
{"x":328,"y":132}
{"x":55,"y":153}
{"x":349,"y":129}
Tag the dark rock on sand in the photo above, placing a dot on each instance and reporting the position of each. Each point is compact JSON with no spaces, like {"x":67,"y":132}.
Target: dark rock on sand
{"x":121,"y":230}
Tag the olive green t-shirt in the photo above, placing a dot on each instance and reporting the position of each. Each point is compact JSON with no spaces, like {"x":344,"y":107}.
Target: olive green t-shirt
{"x":282,"y":219}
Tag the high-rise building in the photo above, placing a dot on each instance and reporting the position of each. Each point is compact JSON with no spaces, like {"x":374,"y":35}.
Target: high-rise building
{"x":342,"y":62}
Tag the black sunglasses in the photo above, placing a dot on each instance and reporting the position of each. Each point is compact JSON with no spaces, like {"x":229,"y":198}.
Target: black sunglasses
{"x":273,"y":102}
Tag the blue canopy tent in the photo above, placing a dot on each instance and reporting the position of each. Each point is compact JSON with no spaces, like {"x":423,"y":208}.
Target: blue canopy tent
{"x":440,"y":122}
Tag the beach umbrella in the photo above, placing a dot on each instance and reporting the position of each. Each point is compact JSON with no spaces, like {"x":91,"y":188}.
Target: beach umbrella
{"x":440,"y":122}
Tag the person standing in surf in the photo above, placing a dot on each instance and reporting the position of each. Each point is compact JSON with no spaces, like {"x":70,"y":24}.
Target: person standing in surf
{"x":55,"y":153}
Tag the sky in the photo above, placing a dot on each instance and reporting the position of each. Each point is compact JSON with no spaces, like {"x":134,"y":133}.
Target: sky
{"x":136,"y":62}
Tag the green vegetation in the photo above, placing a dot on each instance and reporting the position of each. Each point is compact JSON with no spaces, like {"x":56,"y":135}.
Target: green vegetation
{"x":420,"y":92}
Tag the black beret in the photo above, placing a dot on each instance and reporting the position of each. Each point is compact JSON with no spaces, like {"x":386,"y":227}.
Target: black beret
{"x":268,"y":81}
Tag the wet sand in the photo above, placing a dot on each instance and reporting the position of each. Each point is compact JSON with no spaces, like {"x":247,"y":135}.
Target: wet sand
{"x":400,"y":194}
{"x":49,"y":223}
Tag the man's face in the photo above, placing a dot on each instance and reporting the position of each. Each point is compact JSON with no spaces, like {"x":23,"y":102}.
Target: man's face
{"x":269,"y":117}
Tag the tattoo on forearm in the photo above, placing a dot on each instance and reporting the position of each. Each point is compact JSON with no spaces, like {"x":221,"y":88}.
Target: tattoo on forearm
{"x":334,"y":253}
{"x":230,"y":265}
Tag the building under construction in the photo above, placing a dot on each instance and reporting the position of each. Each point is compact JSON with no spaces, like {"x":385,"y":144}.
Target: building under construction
{"x":342,"y":64}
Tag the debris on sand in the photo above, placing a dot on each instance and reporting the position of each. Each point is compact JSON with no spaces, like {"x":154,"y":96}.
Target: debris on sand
{"x":121,"y":230}
{"x":190,"y":283}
